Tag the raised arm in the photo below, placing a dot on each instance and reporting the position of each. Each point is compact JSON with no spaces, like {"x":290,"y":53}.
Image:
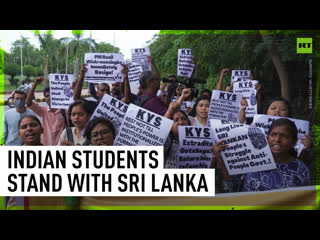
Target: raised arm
{"x":153,"y":66}
{"x":175,"y":105}
{"x":36,"y":82}
{"x":127,"y":90}
{"x":79,"y":84}
{"x":222,"y":74}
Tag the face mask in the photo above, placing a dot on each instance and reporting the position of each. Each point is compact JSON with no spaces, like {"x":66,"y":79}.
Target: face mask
{"x":19,"y":103}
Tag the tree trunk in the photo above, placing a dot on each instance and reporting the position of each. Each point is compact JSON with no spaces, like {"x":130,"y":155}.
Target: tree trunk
{"x":279,"y":66}
{"x":46,"y":79}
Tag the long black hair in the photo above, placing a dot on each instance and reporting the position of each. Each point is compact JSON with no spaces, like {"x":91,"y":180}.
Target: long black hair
{"x":266,"y":106}
{"x":292,"y":129}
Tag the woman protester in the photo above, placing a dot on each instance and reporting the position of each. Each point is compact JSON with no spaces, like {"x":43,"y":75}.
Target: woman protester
{"x":29,"y":131}
{"x":79,"y":113}
{"x":100,"y":132}
{"x":290,"y":171}
{"x":281,"y":107}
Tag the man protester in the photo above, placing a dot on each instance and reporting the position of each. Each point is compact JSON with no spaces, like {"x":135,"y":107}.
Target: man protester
{"x":103,"y":88}
{"x":54,"y":121}
{"x":12,"y":117}
{"x":150,"y":84}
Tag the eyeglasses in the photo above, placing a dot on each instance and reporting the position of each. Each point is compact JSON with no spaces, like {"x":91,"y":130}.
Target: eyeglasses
{"x":102,"y":133}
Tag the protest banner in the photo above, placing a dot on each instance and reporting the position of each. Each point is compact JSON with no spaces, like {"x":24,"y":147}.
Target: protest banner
{"x":141,"y":127}
{"x":134,"y":72}
{"x":103,"y":67}
{"x":248,"y":149}
{"x":240,"y":75}
{"x":140,"y":56}
{"x":61,"y":93}
{"x":224,"y":106}
{"x":195,"y":147}
{"x":185,"y":65}
{"x":111,"y":109}
{"x":265,"y":121}
{"x":248,"y":91}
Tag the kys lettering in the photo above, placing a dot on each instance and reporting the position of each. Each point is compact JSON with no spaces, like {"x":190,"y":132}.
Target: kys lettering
{"x":118,"y":104}
{"x":197,"y":132}
{"x":228,"y":96}
{"x":140,"y":50}
{"x":186,"y":51}
{"x":247,"y":84}
{"x":61,"y":77}
{"x":148,"y":117}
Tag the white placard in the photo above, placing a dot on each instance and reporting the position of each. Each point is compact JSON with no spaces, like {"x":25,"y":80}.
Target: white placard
{"x":195,"y":147}
{"x":61,"y":93}
{"x":103,"y":67}
{"x":111,"y":109}
{"x":134,"y":72}
{"x":248,"y":91}
{"x":265,"y":121}
{"x":140,"y":56}
{"x":240,"y":75}
{"x":141,"y":127}
{"x":224,"y":106}
{"x":185,"y":66}
{"x":248,"y":149}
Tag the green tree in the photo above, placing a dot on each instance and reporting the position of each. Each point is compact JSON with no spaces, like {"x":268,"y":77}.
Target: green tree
{"x":29,"y":70}
{"x":13,"y":70}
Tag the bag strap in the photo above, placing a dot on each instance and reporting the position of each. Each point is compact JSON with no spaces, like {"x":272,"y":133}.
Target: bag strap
{"x":63,"y":112}
{"x":70,"y":135}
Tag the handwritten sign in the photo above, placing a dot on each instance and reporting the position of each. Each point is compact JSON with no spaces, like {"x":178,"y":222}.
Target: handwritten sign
{"x":248,"y":149}
{"x":185,"y":65}
{"x":140,"y":56}
{"x":248,"y":91}
{"x":265,"y":121}
{"x":134,"y":72}
{"x":141,"y":127}
{"x":224,"y":106}
{"x":195,"y":147}
{"x":61,"y":93}
{"x":103,"y":67}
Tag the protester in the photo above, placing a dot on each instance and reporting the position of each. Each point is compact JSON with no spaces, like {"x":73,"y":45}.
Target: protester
{"x":79,"y":113}
{"x":171,"y":146}
{"x":281,"y":107}
{"x":54,"y":121}
{"x":100,"y":132}
{"x":103,"y":88}
{"x":206,"y":92}
{"x":29,"y":131}
{"x":12,"y":117}
{"x":199,"y":117}
{"x":290,"y":171}
{"x":150,"y":84}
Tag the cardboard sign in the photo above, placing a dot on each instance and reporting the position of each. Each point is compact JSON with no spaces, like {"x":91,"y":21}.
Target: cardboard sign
{"x":224,"y":106}
{"x":140,"y":56}
{"x":265,"y":121}
{"x":134,"y":72}
{"x":195,"y":147}
{"x":240,"y":75}
{"x":103,"y":67}
{"x":248,"y":149}
{"x":185,"y":66}
{"x":111,"y":109}
{"x":61,"y":93}
{"x":141,"y":127}
{"x":248,"y":91}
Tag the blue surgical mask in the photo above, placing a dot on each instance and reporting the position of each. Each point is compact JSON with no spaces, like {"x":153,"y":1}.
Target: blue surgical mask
{"x":19,"y":103}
